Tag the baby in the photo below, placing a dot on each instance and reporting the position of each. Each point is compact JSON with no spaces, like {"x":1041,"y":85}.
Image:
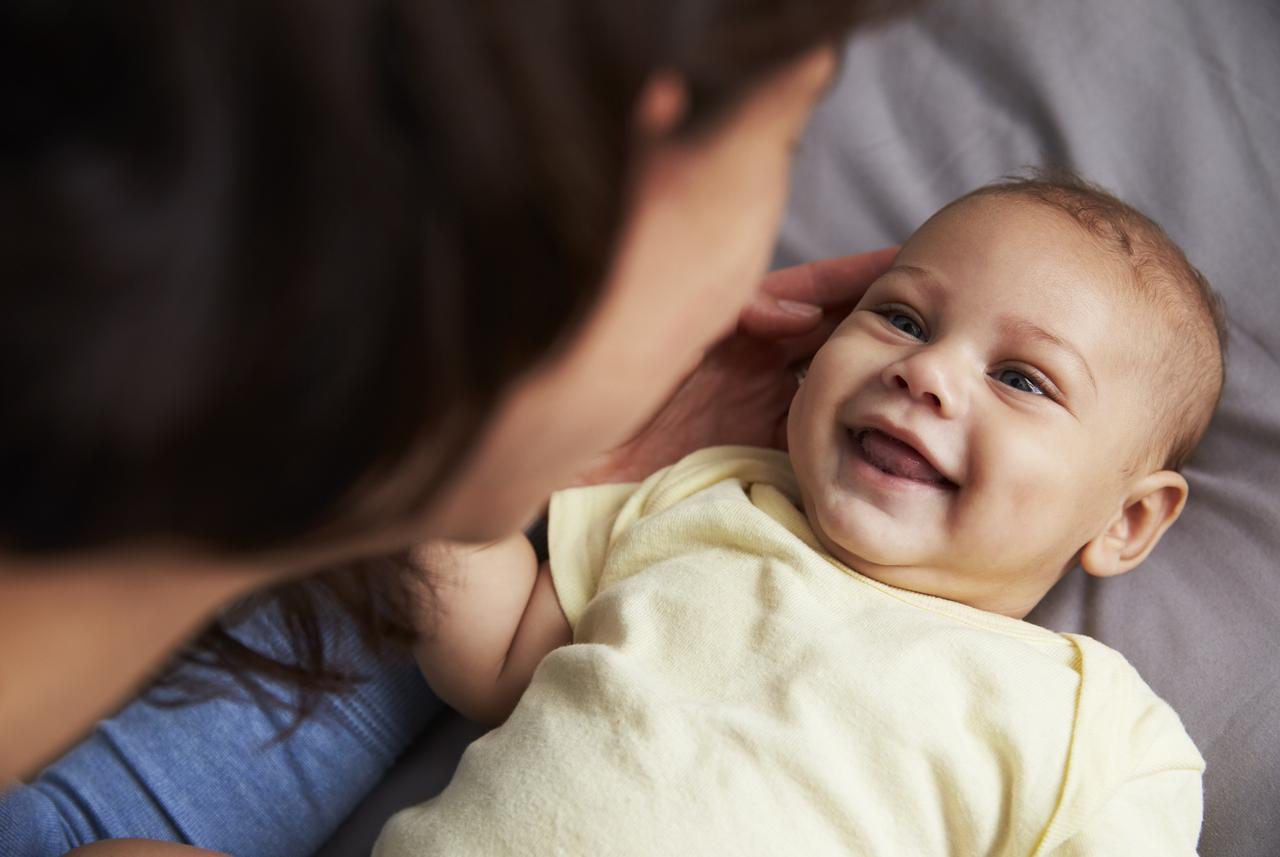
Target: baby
{"x":825,"y":654}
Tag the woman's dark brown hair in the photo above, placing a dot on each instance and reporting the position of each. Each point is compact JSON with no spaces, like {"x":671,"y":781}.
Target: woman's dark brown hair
{"x":255,"y":254}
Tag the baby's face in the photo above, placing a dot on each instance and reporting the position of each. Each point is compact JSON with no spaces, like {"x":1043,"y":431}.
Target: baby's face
{"x":965,"y":431}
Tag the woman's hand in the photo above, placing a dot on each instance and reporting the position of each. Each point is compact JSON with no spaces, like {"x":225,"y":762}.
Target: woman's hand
{"x":742,"y":389}
{"x":794,"y":301}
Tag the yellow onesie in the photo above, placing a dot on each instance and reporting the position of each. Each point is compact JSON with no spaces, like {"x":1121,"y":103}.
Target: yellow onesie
{"x":732,"y":689}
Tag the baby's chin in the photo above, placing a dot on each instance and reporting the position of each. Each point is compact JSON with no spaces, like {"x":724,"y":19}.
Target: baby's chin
{"x":910,"y":568}
{"x":864,"y":547}
{"x":890,"y":565}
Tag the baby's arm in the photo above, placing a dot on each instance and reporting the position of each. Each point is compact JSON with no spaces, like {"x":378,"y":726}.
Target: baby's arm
{"x":489,"y":614}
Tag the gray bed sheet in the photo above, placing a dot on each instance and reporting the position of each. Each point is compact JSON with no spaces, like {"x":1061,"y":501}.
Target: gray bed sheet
{"x":1175,"y":106}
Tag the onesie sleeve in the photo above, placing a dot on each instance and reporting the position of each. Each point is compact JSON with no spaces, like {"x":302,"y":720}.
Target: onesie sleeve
{"x":1156,"y":815}
{"x":579,"y":527}
{"x":1134,"y":777}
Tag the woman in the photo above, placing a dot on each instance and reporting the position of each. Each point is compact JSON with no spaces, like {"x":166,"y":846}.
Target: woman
{"x":288,"y":286}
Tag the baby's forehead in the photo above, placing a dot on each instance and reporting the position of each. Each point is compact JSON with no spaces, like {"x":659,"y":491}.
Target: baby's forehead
{"x":1015,"y":250}
{"x":1012,"y":220}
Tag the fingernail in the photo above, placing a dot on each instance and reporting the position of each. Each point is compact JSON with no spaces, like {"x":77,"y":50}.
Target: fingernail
{"x":799,"y":308}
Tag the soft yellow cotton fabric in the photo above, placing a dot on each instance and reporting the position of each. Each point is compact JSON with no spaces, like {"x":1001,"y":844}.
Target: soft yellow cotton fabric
{"x":734,"y":690}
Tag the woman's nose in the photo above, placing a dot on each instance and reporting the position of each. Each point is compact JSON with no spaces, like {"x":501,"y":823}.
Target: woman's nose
{"x":930,"y":378}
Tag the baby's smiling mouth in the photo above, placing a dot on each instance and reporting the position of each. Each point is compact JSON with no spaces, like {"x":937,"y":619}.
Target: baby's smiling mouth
{"x":896,"y":458}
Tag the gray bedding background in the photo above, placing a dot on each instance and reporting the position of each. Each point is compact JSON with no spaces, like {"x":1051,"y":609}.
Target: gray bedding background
{"x":1175,"y":106}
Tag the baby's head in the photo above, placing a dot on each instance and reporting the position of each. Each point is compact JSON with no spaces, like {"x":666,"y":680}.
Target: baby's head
{"x":1018,"y":393}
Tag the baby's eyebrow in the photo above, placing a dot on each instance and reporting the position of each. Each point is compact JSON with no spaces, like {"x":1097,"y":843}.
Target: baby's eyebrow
{"x":921,"y":277}
{"x":1022,"y":328}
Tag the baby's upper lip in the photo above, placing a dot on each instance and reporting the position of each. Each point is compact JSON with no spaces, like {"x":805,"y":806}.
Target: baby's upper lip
{"x":910,"y":438}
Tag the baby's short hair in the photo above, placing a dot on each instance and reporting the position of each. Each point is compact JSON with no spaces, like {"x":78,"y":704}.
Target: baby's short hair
{"x":1189,"y":359}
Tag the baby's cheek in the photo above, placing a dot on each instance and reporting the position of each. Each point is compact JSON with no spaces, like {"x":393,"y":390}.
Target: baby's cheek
{"x":797,"y":418}
{"x":1069,"y":495}
{"x":840,"y":365}
{"x":1018,"y":475}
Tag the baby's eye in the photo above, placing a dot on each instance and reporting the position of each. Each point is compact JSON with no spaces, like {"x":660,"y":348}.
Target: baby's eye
{"x":1018,"y":381}
{"x":906,"y":324}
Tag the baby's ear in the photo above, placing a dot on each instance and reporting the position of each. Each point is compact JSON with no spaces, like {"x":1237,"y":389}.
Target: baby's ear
{"x":1153,"y":504}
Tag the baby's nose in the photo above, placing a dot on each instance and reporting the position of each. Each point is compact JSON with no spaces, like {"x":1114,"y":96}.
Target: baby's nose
{"x":928,"y":379}
{"x":904,"y":384}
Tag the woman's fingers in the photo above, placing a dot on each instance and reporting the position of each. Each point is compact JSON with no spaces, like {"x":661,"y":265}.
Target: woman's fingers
{"x":828,"y":282}
{"x":800,"y":348}
{"x":740,"y":391}
{"x":769,"y":317}
{"x":791,"y":301}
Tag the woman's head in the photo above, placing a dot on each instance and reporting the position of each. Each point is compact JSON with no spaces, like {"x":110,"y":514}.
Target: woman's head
{"x":281,"y":279}
{"x":260,"y":257}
